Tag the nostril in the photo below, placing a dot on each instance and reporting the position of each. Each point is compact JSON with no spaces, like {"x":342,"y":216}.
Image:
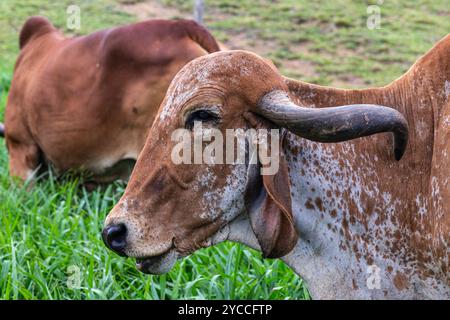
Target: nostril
{"x":114,"y":236}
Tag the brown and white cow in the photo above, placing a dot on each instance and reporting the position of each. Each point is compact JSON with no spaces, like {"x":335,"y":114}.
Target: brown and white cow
{"x":347,"y":217}
{"x":87,"y":102}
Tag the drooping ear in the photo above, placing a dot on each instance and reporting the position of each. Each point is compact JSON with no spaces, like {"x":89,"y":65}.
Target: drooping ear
{"x":268,"y":203}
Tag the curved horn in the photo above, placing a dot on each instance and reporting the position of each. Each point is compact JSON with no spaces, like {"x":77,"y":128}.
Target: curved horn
{"x":335,"y":124}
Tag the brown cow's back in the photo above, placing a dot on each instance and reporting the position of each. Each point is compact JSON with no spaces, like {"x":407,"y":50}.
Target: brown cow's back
{"x":87,"y":102}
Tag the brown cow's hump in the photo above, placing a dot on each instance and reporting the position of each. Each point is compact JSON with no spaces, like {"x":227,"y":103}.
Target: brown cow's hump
{"x":34,"y":26}
{"x":200,"y":35}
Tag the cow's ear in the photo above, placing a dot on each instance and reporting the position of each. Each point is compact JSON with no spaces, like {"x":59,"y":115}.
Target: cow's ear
{"x":268,"y":203}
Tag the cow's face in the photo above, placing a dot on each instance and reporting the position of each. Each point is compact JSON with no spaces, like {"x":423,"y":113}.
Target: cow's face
{"x":171,"y":209}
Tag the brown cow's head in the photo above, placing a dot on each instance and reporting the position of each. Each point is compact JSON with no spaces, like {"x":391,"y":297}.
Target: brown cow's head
{"x":171,"y":210}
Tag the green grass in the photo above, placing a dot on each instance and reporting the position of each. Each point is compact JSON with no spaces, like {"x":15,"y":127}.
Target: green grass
{"x":55,"y":226}
{"x":332,"y":35}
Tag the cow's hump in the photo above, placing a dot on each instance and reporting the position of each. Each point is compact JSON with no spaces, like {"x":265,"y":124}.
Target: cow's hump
{"x":34,"y":26}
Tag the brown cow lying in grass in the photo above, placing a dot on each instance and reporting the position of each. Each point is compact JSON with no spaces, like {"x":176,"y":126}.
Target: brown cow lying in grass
{"x":347,"y":217}
{"x":87,"y":102}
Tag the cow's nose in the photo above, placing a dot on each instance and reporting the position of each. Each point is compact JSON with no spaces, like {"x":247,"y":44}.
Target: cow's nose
{"x":114,"y":236}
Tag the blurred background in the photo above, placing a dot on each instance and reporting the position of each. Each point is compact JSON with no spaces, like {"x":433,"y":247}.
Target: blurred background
{"x":50,"y":246}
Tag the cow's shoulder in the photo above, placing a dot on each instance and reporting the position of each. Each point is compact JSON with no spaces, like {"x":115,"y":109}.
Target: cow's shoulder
{"x":34,"y":27}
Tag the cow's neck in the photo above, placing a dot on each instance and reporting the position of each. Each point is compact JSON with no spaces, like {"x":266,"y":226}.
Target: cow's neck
{"x":366,"y":222}
{"x":344,"y":204}
{"x":371,"y":227}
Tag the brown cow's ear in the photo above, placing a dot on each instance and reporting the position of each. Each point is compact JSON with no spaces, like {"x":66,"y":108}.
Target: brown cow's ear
{"x":268,"y":202}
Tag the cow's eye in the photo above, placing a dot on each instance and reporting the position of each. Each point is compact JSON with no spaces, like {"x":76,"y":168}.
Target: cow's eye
{"x":203,"y":116}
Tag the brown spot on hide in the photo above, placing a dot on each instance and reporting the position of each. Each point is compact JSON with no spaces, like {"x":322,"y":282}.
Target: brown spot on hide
{"x":319,"y":203}
{"x":400,"y":281}
{"x":333,"y":213}
{"x":309,"y":205}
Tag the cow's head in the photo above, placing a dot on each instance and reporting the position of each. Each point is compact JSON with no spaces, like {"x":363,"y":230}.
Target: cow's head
{"x":170,"y":210}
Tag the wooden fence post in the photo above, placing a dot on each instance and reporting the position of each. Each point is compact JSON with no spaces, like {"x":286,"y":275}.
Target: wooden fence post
{"x":199,"y":8}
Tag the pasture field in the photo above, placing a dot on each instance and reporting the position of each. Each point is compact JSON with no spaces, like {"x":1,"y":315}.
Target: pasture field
{"x":50,"y":243}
